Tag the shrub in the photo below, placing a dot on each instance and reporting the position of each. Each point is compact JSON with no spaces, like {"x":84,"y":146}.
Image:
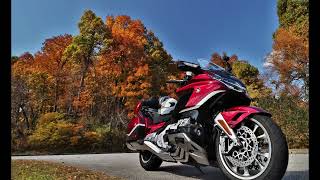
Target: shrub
{"x":50,"y":117}
{"x":51,"y":136}
{"x":292,"y":116}
{"x":109,"y":140}
{"x":54,"y":133}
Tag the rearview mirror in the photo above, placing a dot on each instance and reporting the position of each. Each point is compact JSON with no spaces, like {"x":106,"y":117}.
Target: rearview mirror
{"x":226,"y":58}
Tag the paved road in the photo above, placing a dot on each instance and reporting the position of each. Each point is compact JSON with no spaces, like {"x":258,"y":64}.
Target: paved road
{"x":127,"y":165}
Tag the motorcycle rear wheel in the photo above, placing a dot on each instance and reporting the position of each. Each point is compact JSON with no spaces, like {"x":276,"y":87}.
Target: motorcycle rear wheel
{"x":149,"y":161}
{"x":268,"y":149}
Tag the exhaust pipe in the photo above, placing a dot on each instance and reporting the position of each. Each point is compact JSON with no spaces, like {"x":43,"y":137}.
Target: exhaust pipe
{"x":182,"y":153}
{"x":157,"y":151}
{"x":149,"y":146}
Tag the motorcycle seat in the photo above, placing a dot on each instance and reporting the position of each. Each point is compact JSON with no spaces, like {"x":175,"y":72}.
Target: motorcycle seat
{"x":153,"y":105}
{"x":156,"y":117}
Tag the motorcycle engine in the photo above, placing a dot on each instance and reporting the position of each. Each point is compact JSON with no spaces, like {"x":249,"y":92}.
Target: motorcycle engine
{"x":192,"y":129}
{"x":188,"y":126}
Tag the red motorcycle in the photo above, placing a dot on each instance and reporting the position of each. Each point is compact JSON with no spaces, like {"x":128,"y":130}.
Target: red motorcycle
{"x":211,"y":123}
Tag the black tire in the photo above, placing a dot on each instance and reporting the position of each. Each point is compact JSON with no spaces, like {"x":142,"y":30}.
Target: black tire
{"x":279,"y":158}
{"x":149,"y":161}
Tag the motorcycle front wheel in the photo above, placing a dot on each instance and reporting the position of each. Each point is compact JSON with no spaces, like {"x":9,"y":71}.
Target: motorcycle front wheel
{"x":264,"y":154}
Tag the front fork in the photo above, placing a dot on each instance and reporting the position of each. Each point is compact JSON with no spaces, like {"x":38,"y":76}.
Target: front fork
{"x":222,"y":125}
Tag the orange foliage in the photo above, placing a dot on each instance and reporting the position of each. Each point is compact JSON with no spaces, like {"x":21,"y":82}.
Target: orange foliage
{"x":131,"y":64}
{"x":217,"y":59}
{"x":290,"y":59}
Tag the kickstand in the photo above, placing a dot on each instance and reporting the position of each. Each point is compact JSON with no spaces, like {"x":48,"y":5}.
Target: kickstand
{"x":198,"y":167}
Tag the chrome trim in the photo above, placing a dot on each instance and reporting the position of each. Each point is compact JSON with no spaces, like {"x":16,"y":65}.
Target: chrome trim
{"x":135,"y":128}
{"x":182,"y":152}
{"x":261,"y":171}
{"x":134,"y":146}
{"x":188,"y":149}
{"x":157,"y":151}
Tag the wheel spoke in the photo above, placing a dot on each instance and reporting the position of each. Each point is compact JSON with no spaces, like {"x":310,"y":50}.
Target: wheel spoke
{"x":256,"y":143}
{"x":264,"y":154}
{"x":262,"y":136}
{"x":259,"y":163}
{"x":234,"y":169}
{"x":246,"y":171}
{"x":255,"y":128}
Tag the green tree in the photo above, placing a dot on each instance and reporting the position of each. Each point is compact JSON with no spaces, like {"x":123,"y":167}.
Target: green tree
{"x":294,"y":13}
{"x":246,"y":72}
{"x":14,"y":59}
{"x":159,"y":61}
{"x":86,"y":46}
{"x":249,"y":75}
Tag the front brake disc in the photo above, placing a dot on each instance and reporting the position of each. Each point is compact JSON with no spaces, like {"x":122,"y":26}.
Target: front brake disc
{"x":246,"y":155}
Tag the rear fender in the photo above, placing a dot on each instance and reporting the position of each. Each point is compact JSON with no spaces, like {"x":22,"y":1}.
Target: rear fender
{"x":235,"y":115}
{"x":137,"y":127}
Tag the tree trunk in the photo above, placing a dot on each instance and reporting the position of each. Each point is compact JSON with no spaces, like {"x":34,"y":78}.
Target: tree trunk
{"x":25,"y":117}
{"x":33,"y":118}
{"x":56,"y":96}
{"x":83,"y":74}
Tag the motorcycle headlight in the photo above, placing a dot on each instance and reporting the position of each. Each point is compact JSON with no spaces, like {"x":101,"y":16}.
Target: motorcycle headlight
{"x":230,"y":83}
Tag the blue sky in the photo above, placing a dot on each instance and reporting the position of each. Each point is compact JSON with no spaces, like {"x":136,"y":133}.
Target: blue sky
{"x":189,"y":29}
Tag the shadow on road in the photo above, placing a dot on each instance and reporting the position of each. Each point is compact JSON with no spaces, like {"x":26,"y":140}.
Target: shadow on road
{"x":190,"y":171}
{"x":296,"y":175}
{"x":215,"y":173}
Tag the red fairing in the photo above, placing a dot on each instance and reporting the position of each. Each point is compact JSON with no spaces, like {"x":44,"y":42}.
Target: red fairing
{"x":140,"y":119}
{"x":235,"y":115}
{"x":154,"y":127}
{"x":134,"y":121}
{"x":201,"y":86}
{"x":147,"y":121}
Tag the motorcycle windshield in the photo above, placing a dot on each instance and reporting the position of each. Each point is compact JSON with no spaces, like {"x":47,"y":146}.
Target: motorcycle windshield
{"x":206,"y":64}
{"x":218,"y":70}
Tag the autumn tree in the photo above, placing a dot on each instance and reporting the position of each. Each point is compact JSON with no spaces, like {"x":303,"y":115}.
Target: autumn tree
{"x":289,"y":58}
{"x":287,"y":71}
{"x":218,"y":59}
{"x":50,"y":60}
{"x":246,"y":72}
{"x":250,"y":76}
{"x":19,"y":88}
{"x":95,"y":77}
{"x":294,"y":16}
{"x":86,"y":46}
{"x":135,"y":61}
{"x":159,"y":61}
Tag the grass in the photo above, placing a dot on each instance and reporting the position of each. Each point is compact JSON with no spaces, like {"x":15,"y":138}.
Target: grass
{"x":43,"y":170}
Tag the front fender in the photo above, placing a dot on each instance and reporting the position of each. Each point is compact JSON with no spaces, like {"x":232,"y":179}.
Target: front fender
{"x":235,"y":115}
